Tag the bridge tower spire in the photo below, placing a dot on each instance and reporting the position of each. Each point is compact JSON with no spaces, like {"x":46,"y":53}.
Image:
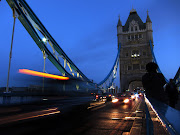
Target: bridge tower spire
{"x":135,"y":51}
{"x":119,"y":29}
{"x":149,"y":27}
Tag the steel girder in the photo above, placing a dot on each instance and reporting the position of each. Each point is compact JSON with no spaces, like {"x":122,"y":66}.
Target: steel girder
{"x":33,"y":25}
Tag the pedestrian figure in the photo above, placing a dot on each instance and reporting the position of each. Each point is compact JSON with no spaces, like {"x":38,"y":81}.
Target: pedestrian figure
{"x":172,"y":92}
{"x":153,"y":83}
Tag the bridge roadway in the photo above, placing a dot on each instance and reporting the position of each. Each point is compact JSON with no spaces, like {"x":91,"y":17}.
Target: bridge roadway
{"x":99,"y":119}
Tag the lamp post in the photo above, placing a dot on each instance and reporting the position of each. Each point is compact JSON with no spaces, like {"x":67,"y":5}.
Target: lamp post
{"x":10,"y":55}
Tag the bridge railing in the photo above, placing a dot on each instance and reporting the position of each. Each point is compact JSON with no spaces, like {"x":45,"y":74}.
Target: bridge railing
{"x":168,"y":116}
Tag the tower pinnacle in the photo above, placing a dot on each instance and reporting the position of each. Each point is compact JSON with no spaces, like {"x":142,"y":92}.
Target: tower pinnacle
{"x":148,"y":18}
{"x":119,"y":22}
{"x":132,"y":10}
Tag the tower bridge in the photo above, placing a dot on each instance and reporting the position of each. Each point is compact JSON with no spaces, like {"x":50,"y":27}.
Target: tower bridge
{"x":135,"y":50}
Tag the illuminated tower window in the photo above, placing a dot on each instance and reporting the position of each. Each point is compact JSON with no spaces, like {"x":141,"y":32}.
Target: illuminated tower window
{"x":135,"y":54}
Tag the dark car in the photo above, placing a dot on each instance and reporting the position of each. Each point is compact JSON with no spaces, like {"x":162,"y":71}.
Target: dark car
{"x":108,"y":96}
{"x":123,"y":98}
{"x":97,"y":96}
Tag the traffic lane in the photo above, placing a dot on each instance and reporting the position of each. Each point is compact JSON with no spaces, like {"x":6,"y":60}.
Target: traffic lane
{"x":65,"y":115}
{"x":34,"y":110}
{"x":104,"y":118}
{"x":109,"y":120}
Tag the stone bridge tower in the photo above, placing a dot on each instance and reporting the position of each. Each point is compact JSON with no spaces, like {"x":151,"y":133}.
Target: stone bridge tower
{"x":135,"y":52}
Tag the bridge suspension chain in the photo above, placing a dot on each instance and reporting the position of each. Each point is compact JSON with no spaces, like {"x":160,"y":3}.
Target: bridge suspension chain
{"x":176,"y":77}
{"x":112,"y":74}
{"x":154,"y":58}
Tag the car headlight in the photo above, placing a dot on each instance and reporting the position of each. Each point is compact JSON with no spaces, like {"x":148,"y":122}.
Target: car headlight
{"x":115,"y":100}
{"x":136,"y":95}
{"x":126,"y":100}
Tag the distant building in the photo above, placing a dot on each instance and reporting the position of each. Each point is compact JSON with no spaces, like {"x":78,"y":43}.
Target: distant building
{"x":177,"y":78}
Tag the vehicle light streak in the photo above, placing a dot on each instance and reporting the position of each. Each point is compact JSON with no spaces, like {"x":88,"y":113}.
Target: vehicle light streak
{"x":132,"y":118}
{"x":30,"y":115}
{"x":129,"y":115}
{"x":41,"y":74}
{"x":95,"y":106}
{"x":116,"y":118}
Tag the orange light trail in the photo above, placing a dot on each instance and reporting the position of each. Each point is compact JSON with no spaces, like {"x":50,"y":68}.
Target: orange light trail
{"x":41,"y":74}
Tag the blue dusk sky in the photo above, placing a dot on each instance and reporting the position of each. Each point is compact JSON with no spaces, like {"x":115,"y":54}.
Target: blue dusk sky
{"x":87,"y":31}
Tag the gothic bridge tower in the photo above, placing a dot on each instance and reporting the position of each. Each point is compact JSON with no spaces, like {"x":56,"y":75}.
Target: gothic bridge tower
{"x":135,"y":52}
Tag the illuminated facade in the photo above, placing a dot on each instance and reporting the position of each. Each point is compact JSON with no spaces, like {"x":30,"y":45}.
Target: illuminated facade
{"x":135,"y":52}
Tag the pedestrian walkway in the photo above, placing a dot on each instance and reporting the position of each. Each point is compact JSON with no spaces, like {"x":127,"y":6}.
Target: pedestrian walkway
{"x":159,"y":128}
{"x":142,"y":127}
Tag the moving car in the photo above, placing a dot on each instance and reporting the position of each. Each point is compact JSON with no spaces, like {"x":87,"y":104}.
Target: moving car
{"x":123,"y":98}
{"x":97,"y":96}
{"x":108,"y":96}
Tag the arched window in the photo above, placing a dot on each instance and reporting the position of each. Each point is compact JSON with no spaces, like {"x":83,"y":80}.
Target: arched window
{"x":131,"y":28}
{"x":136,"y":28}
